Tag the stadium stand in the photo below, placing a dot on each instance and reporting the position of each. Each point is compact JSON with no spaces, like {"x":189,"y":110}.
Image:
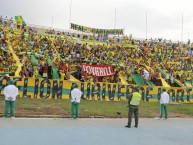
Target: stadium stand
{"x":28,"y":52}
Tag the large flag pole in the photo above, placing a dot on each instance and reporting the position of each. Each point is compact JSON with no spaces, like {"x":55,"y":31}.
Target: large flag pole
{"x":52,"y":22}
{"x":70,"y":13}
{"x":146,"y":25}
{"x":182,"y":29}
{"x":115,"y":19}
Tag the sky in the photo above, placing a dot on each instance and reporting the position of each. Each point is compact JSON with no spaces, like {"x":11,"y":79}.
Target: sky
{"x":167,"y":19}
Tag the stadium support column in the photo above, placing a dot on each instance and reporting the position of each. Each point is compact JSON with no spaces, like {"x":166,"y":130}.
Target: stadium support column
{"x":182,"y":28}
{"x":146,"y":25}
{"x":70,"y":13}
{"x":115,"y":19}
{"x":52,"y":22}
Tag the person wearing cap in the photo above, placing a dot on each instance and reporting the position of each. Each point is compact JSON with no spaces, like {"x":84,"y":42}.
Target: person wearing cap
{"x":10,"y":92}
{"x":75,"y":100}
{"x":164,"y":100}
{"x":134,"y":102}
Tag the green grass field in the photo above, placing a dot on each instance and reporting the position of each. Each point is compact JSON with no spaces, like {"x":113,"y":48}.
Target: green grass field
{"x":61,"y":108}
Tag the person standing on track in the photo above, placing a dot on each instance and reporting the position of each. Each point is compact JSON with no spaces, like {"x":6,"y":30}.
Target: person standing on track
{"x":134,"y":102}
{"x":10,"y":92}
{"x":75,"y":100}
{"x":164,"y":100}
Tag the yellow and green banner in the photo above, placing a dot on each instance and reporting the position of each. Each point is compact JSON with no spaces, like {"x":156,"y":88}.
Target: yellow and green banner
{"x":19,"y":20}
{"x":60,"y":89}
{"x":96,"y":30}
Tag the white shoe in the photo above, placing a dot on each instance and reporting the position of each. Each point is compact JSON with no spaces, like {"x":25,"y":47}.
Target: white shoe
{"x":157,"y":118}
{"x":12,"y":117}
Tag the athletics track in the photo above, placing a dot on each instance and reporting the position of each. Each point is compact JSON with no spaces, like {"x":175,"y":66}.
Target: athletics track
{"x":94,"y":131}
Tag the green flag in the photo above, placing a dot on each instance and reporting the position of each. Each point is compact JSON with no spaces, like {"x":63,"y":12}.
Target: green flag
{"x":19,"y":20}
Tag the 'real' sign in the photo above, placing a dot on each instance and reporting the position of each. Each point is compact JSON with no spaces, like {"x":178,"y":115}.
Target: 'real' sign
{"x":96,"y":30}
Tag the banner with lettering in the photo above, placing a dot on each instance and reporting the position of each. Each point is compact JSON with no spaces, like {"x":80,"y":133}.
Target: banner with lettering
{"x":43,"y":88}
{"x":98,"y":70}
{"x":96,"y":30}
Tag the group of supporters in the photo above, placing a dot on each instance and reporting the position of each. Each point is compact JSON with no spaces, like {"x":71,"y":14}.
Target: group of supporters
{"x":59,"y":53}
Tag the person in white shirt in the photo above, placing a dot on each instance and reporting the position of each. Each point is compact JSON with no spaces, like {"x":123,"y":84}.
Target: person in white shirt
{"x":10,"y":92}
{"x":75,"y":100}
{"x":146,"y":74}
{"x":164,"y":100}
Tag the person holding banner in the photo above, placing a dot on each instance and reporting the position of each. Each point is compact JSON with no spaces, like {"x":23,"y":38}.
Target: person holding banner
{"x":10,"y":92}
{"x":75,"y":100}
{"x":134,"y":102}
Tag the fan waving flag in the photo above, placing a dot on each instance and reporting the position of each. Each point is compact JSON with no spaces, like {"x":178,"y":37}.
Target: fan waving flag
{"x":19,"y":20}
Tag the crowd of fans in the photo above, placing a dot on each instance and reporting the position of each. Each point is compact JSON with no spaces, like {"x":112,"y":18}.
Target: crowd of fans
{"x":40,"y":53}
{"x":7,"y":63}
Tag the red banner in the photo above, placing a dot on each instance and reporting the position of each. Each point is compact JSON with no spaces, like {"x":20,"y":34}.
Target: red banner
{"x":98,"y":70}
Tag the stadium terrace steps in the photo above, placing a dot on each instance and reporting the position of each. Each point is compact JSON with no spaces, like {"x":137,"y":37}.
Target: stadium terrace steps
{"x":123,"y":81}
{"x":18,"y":64}
{"x":188,"y":83}
{"x":140,"y":81}
{"x":74,"y":79}
{"x":164,"y":83}
{"x":175,"y":80}
{"x":150,"y":83}
{"x":137,"y":79}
